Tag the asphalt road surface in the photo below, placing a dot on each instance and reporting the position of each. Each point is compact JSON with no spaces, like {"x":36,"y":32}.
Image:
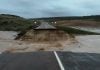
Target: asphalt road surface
{"x":80,"y":61}
{"x":29,"y":61}
{"x":48,"y":61}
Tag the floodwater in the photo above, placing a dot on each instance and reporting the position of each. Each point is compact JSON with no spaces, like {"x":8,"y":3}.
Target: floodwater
{"x":88,"y":43}
{"x":8,"y":34}
{"x":91,"y":29}
{"x":82,"y":43}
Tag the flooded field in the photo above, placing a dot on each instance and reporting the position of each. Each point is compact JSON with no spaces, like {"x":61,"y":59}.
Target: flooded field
{"x":8,"y":35}
{"x":88,"y":43}
{"x":91,"y":29}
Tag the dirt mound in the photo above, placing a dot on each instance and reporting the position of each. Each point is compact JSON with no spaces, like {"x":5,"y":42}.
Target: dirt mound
{"x":44,"y":35}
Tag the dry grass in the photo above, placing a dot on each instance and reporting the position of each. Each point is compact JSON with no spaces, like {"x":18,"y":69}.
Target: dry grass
{"x":87,"y":23}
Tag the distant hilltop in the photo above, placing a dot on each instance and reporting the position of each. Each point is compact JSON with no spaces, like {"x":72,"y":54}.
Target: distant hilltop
{"x":9,"y":16}
{"x":92,"y":17}
{"x":12,"y":22}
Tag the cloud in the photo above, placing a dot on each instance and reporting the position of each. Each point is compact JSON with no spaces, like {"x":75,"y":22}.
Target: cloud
{"x":50,"y":8}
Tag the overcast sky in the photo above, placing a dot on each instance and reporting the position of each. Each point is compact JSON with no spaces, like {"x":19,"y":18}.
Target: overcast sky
{"x":50,"y":8}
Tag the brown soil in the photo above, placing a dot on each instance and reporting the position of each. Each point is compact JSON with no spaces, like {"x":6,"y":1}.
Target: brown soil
{"x":44,"y":36}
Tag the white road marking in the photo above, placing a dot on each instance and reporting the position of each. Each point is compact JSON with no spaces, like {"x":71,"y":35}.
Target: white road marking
{"x":59,"y":61}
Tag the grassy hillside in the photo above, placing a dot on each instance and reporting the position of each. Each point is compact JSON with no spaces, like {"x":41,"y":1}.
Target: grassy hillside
{"x":13,"y":23}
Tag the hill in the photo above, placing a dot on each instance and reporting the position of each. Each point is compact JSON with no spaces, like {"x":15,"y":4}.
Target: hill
{"x":13,"y":23}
